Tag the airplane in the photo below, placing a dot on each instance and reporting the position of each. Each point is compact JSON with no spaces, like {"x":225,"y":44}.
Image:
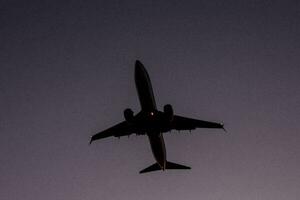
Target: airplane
{"x":153,"y":123}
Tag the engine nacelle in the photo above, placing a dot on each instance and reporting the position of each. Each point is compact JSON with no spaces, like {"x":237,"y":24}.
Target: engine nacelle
{"x":128,"y":114}
{"x":168,"y":112}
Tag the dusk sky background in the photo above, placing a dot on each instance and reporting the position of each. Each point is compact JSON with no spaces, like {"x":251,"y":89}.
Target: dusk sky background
{"x":67,"y":72}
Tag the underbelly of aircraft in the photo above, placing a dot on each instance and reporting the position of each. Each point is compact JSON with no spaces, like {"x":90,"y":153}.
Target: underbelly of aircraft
{"x":158,"y":148}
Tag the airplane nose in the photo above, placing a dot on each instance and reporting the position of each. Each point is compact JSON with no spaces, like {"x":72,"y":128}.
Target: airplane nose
{"x":137,"y":62}
{"x":139,"y":67}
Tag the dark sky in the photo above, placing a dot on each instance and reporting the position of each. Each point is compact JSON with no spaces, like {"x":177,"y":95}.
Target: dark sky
{"x":67,"y":72}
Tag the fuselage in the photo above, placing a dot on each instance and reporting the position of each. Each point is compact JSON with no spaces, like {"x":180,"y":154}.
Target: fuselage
{"x":149,"y":110}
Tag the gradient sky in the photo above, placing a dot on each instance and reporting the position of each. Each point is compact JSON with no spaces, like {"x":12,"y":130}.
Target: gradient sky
{"x":67,"y":72}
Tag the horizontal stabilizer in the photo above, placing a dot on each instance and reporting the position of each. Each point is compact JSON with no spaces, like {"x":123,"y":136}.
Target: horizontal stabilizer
{"x":151,"y":168}
{"x":169,"y":165}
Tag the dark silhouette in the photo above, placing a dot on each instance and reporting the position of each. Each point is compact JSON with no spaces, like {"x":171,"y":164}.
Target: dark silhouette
{"x":151,"y":122}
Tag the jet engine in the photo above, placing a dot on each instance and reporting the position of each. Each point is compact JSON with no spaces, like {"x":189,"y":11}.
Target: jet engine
{"x":128,"y":114}
{"x":168,"y":112}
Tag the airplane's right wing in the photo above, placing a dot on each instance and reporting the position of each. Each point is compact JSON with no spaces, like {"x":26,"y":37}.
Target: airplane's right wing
{"x":118,"y":130}
{"x":184,"y":123}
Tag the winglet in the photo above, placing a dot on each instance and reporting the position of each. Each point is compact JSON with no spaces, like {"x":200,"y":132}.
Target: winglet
{"x":91,"y":140}
{"x":222,"y":124}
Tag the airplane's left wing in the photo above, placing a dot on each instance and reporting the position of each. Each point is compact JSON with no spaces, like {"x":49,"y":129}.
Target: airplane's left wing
{"x":184,"y":123}
{"x":121,"y":129}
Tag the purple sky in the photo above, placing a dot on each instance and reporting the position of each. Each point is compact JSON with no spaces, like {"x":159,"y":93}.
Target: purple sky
{"x":67,"y":72}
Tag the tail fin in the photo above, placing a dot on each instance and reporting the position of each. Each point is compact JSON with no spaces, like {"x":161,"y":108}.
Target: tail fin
{"x":169,"y":165}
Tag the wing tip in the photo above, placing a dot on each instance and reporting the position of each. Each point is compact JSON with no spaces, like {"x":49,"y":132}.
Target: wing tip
{"x":222,"y":124}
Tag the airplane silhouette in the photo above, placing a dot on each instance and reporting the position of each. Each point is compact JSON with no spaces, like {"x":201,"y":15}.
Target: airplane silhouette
{"x":152,"y":122}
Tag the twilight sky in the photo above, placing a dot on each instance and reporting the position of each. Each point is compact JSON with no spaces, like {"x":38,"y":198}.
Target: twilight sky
{"x":67,"y":71}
